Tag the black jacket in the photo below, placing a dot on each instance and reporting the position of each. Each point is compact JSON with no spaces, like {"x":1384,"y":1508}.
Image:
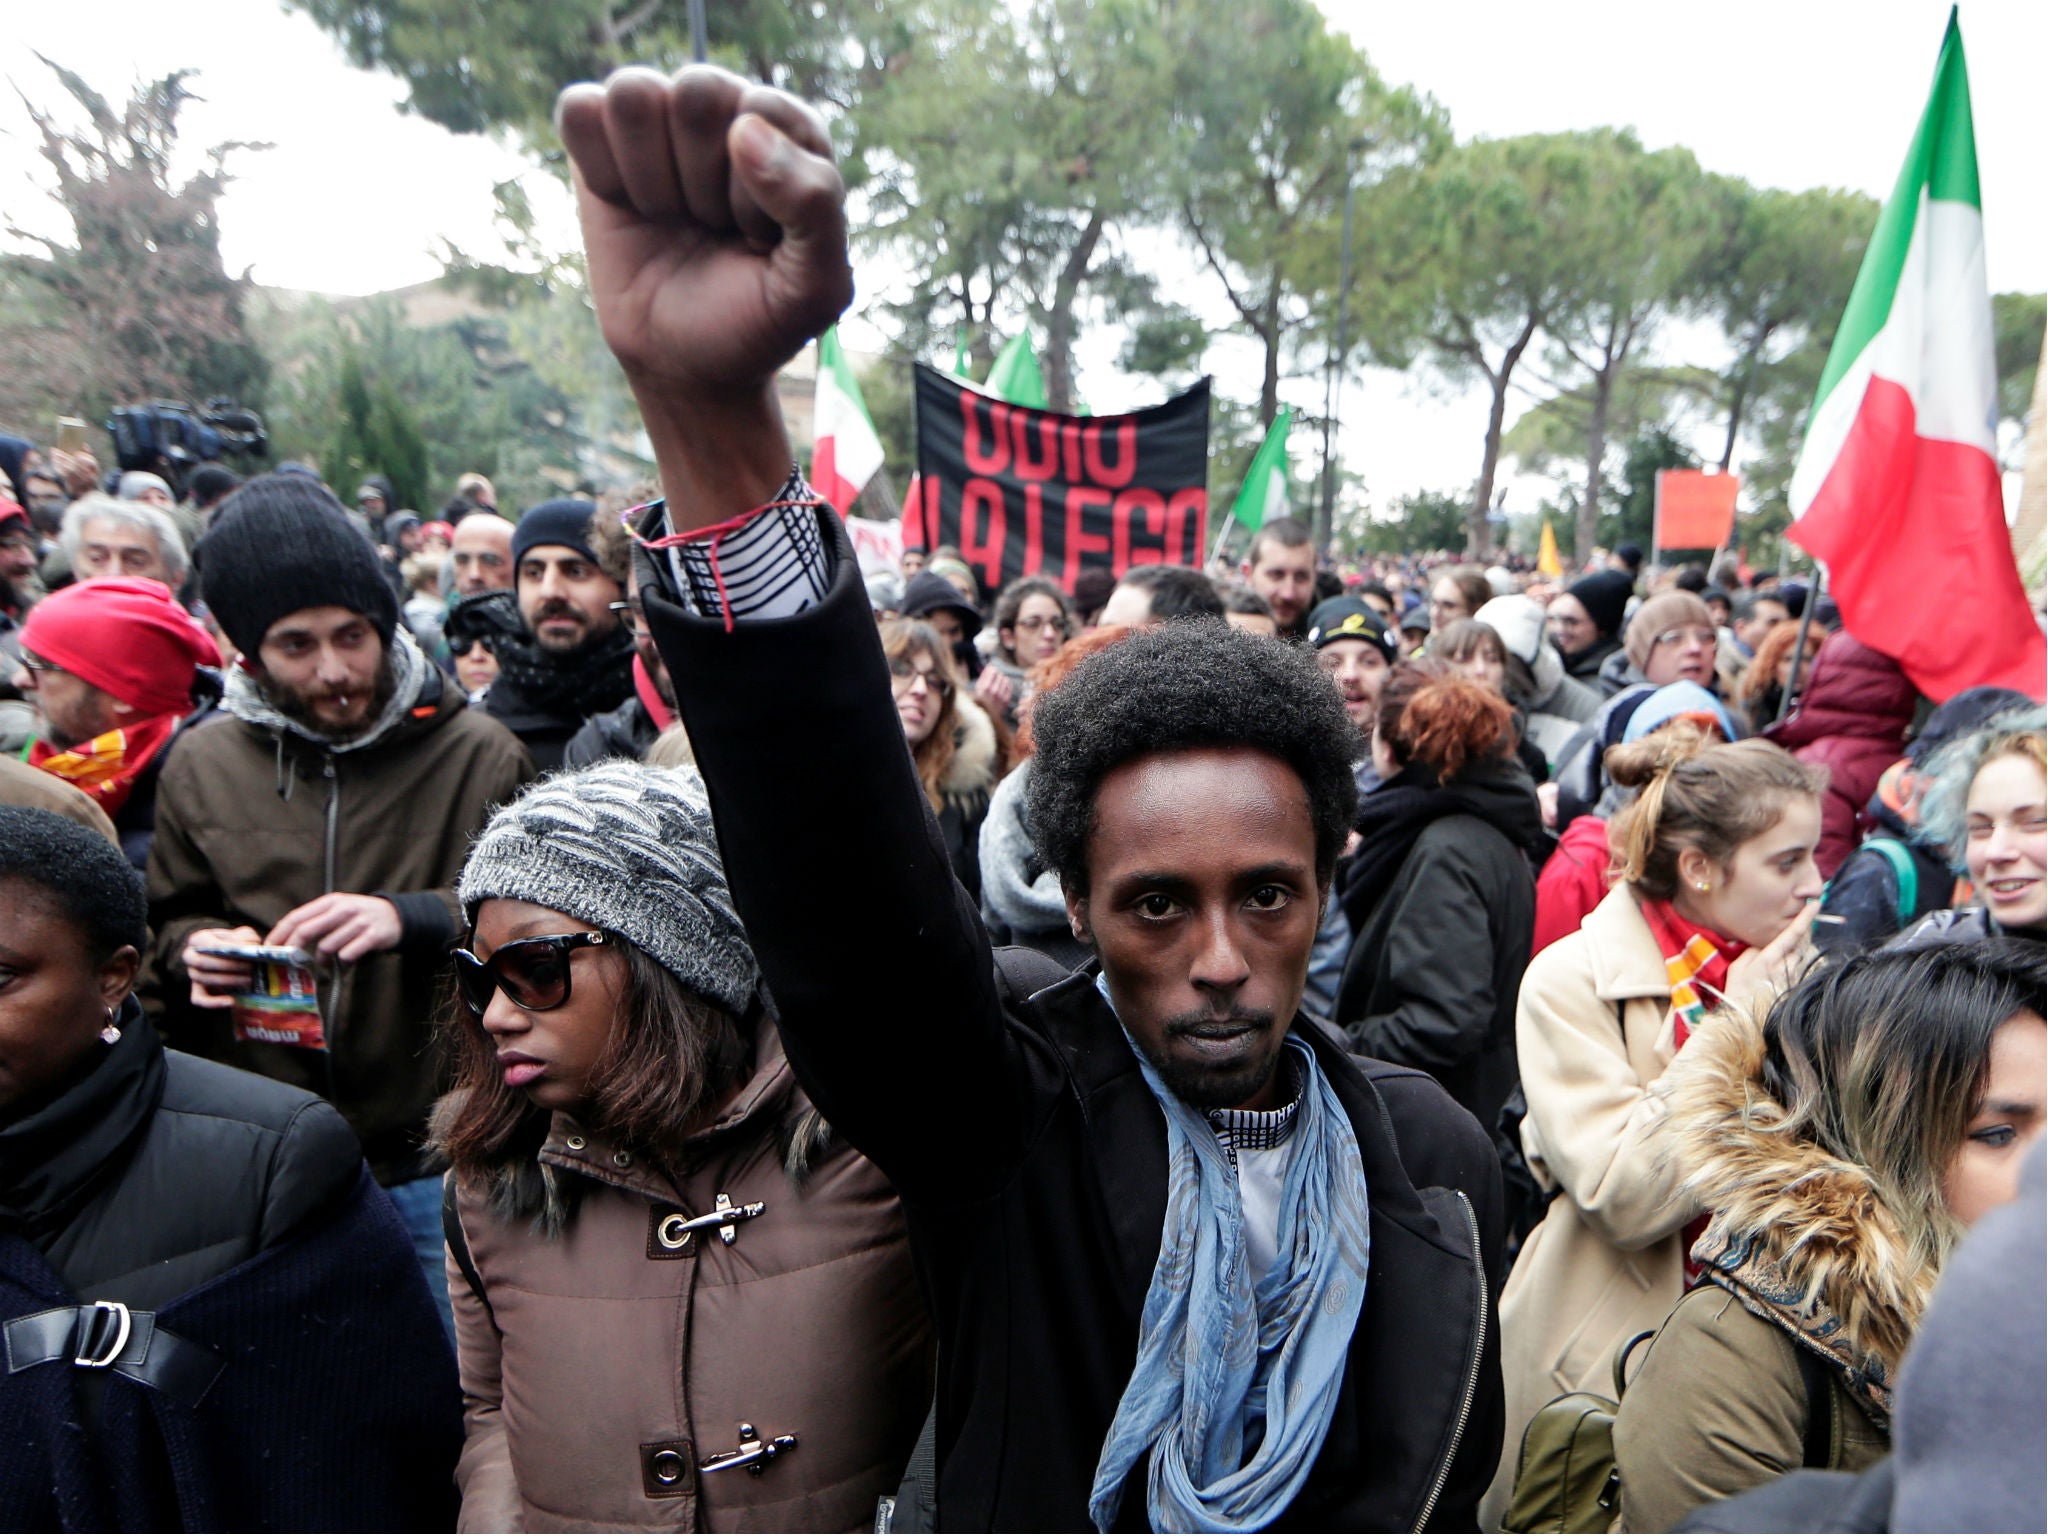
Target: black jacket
{"x":627,"y":732}
{"x":135,"y":822}
{"x":1437,"y":962}
{"x":1585,"y":665}
{"x":544,"y":734}
{"x":1030,"y":1154}
{"x":1865,"y":892}
{"x":234,"y":1214}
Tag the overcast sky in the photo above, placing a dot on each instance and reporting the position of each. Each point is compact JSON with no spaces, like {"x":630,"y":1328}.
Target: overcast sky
{"x":356,"y":196}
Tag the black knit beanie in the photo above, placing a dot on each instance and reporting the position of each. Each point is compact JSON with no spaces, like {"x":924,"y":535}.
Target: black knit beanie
{"x":565,"y":521}
{"x":1604,"y":595}
{"x":282,"y":543}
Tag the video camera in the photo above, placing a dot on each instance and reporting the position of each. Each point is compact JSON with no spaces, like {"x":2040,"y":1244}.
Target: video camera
{"x":171,"y":439}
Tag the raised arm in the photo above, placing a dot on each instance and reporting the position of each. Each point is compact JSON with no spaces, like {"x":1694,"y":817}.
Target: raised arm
{"x":716,"y":230}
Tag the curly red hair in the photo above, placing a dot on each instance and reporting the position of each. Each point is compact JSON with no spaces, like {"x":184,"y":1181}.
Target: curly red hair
{"x":1429,"y":714}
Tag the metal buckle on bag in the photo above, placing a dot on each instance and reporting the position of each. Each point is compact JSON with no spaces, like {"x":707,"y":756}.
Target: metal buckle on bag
{"x":754,"y":1453}
{"x":93,"y":1321}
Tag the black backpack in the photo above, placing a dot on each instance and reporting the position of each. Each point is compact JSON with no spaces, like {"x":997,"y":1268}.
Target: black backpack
{"x":1524,"y":1200}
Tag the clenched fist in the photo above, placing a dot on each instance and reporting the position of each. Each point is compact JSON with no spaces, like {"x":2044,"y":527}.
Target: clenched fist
{"x":715,"y":225}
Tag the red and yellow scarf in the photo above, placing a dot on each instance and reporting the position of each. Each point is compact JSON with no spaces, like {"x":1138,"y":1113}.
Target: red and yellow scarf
{"x":1696,"y":962}
{"x":107,"y":766}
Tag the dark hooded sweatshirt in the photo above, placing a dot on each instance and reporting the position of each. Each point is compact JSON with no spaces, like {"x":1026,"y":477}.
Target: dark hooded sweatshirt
{"x":1442,"y":931}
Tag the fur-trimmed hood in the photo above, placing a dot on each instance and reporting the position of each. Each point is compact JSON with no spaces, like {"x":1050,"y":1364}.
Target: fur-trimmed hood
{"x":975,"y":767}
{"x":529,"y":1180}
{"x":1803,"y":1237}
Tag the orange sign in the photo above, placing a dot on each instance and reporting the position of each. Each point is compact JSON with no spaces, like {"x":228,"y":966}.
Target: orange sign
{"x":1695,"y":508}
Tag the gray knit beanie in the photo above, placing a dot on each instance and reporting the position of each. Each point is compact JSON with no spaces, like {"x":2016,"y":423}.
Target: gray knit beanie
{"x":629,"y":849}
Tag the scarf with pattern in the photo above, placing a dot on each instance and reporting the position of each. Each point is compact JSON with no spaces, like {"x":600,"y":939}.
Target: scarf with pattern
{"x":1235,"y":1385}
{"x":1696,"y":962}
{"x":107,"y":767}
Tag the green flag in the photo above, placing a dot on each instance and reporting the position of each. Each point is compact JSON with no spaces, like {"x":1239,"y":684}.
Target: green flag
{"x":1015,"y":376}
{"x":1264,"y":492}
{"x":963,"y":365}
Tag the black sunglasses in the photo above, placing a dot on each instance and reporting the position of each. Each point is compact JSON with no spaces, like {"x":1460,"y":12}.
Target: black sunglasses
{"x":534,"y":973}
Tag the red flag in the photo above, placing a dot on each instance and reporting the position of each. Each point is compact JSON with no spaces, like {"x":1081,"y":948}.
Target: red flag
{"x":913,"y":514}
{"x":1695,"y":509}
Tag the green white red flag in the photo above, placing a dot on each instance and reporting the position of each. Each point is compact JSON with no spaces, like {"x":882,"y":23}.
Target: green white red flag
{"x":1897,"y":488}
{"x":845,"y":451}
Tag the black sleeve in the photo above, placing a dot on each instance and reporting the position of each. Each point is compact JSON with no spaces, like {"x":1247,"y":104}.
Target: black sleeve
{"x":876,"y":967}
{"x":424,"y":919}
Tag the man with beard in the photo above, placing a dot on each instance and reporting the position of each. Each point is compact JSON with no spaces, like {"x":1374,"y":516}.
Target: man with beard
{"x":327,"y":805}
{"x":629,"y":730}
{"x":1281,"y":568}
{"x":576,"y":659}
{"x":18,"y":592}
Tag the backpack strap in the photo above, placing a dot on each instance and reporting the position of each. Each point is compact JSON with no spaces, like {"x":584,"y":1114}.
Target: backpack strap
{"x":458,"y":1245}
{"x":1818,"y":1447}
{"x":1904,"y":871}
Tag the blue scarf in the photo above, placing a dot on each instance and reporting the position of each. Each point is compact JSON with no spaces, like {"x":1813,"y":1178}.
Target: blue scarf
{"x":1234,"y":1388}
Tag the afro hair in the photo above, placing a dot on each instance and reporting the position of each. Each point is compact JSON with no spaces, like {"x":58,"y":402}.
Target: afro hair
{"x":84,"y":876}
{"x":1185,"y":685}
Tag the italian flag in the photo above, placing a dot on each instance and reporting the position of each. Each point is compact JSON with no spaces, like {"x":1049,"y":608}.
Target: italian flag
{"x":845,"y":453}
{"x":1897,"y":488}
{"x":1264,"y":491}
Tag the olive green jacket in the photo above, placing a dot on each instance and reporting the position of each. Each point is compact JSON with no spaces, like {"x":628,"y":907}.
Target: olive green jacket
{"x":1719,"y":1405}
{"x":1802,"y":1254}
{"x":254,"y":820}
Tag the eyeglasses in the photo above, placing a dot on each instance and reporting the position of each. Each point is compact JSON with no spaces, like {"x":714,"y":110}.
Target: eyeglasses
{"x":1680,"y":636}
{"x":469,"y":643}
{"x":33,"y":663}
{"x":901,"y":671}
{"x":1034,"y":625}
{"x":630,"y":615}
{"x":534,"y":973}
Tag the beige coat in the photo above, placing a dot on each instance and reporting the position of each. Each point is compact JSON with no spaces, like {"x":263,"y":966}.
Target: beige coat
{"x":1593,"y":1030}
{"x":613,"y":1361}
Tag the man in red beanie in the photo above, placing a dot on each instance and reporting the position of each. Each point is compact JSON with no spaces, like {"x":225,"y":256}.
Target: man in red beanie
{"x":112,"y":667}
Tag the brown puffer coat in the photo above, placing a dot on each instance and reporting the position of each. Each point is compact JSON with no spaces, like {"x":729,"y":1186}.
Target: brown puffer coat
{"x":254,"y":819}
{"x":1802,"y":1254}
{"x":603,"y":1368}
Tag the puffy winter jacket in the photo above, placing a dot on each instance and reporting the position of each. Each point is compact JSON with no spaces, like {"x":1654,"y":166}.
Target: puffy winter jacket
{"x":627,"y":732}
{"x":1851,"y":720}
{"x":607,"y":1367}
{"x":232,"y":1218}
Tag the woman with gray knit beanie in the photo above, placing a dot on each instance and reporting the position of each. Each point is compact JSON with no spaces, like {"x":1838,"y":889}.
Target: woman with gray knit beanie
{"x":680,"y":1302}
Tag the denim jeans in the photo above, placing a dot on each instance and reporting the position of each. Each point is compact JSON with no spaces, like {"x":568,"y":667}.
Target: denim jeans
{"x":419,"y":1207}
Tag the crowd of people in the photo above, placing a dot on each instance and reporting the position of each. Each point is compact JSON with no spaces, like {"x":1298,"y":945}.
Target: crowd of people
{"x":626,"y":1017}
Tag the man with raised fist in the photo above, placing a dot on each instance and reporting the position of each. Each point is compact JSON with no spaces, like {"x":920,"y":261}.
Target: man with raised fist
{"x":1194,"y":1266}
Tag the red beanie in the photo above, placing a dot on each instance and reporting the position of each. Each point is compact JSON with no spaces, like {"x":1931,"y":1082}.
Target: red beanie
{"x":127,"y":637}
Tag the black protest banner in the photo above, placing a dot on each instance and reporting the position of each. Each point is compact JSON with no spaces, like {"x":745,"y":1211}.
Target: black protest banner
{"x":1024,"y":492}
